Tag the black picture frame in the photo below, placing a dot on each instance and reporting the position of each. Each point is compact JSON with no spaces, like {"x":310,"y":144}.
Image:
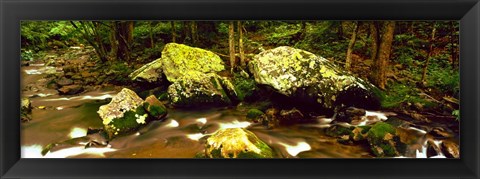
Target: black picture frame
{"x":13,"y":11}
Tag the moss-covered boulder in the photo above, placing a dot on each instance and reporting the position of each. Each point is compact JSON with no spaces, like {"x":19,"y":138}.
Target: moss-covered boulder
{"x":149,"y":73}
{"x":179,"y":60}
{"x":124,"y":114}
{"x":306,"y":77}
{"x":154,"y":107}
{"x":200,"y":89}
{"x":255,"y":115}
{"x":236,"y":143}
{"x":383,"y":140}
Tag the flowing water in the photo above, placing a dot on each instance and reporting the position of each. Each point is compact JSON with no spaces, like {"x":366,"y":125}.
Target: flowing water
{"x":181,"y":135}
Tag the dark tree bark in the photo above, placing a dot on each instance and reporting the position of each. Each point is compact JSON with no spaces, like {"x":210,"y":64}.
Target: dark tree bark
{"x":351,"y":44}
{"x":381,"y":49}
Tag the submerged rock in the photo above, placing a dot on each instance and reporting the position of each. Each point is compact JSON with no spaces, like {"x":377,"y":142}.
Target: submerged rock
{"x":70,"y":90}
{"x":306,"y":77}
{"x":199,"y":89}
{"x":292,"y":116}
{"x":179,"y":60}
{"x":236,"y":143}
{"x":124,"y":114}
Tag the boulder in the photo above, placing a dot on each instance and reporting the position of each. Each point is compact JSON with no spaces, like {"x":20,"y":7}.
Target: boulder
{"x":150,"y":73}
{"x":70,"y":90}
{"x":450,"y":149}
{"x":179,"y":60}
{"x":124,"y":114}
{"x":199,"y":89}
{"x":64,"y":81}
{"x":311,"y":79}
{"x":154,"y":107}
{"x":236,"y":143}
{"x":255,"y":115}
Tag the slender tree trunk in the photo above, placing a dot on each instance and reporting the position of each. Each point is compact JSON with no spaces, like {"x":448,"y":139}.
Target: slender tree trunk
{"x":351,"y":44}
{"x":186,"y":32}
{"x":453,"y":44}
{"x":113,"y":41}
{"x":231,"y":43}
{"x":151,"y":34}
{"x":430,"y":51}
{"x":193,"y":28}
{"x":240,"y":44}
{"x":383,"y":53}
{"x":174,"y":33}
{"x":374,"y":34}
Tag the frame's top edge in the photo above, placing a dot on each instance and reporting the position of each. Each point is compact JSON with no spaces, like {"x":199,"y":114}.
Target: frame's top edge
{"x":248,"y":1}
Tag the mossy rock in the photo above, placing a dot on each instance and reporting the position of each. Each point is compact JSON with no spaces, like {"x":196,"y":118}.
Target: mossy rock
{"x":124,"y":114}
{"x":339,"y":131}
{"x":255,"y":115}
{"x":383,"y":140}
{"x":154,"y":107}
{"x":178,"y":60}
{"x":199,"y":89}
{"x":311,"y":79}
{"x":150,"y":73}
{"x":236,"y":143}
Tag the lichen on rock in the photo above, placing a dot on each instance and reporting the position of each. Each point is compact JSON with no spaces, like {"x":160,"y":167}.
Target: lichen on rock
{"x":197,"y":88}
{"x":179,"y":60}
{"x":123,"y":114}
{"x":151,"y":72}
{"x":302,"y":75}
{"x":236,"y":143}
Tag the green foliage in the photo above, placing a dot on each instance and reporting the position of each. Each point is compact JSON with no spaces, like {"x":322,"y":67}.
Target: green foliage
{"x":443,"y":77}
{"x":245,"y":87}
{"x":400,"y":95}
{"x":456,"y":113}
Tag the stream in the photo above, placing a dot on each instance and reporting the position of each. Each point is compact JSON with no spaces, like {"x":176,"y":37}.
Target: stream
{"x":182,"y":134}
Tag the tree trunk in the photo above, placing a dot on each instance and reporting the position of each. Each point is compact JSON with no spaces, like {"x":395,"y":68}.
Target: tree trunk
{"x":351,"y":44}
{"x":193,"y":28}
{"x":174,"y":34}
{"x":430,"y":51}
{"x":113,"y":41}
{"x":453,"y":45}
{"x":186,"y":32}
{"x":240,"y":44}
{"x":383,"y":54}
{"x":125,"y":39}
{"x":231,"y":43}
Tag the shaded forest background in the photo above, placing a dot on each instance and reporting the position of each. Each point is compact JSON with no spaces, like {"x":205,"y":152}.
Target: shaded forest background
{"x":414,"y":62}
